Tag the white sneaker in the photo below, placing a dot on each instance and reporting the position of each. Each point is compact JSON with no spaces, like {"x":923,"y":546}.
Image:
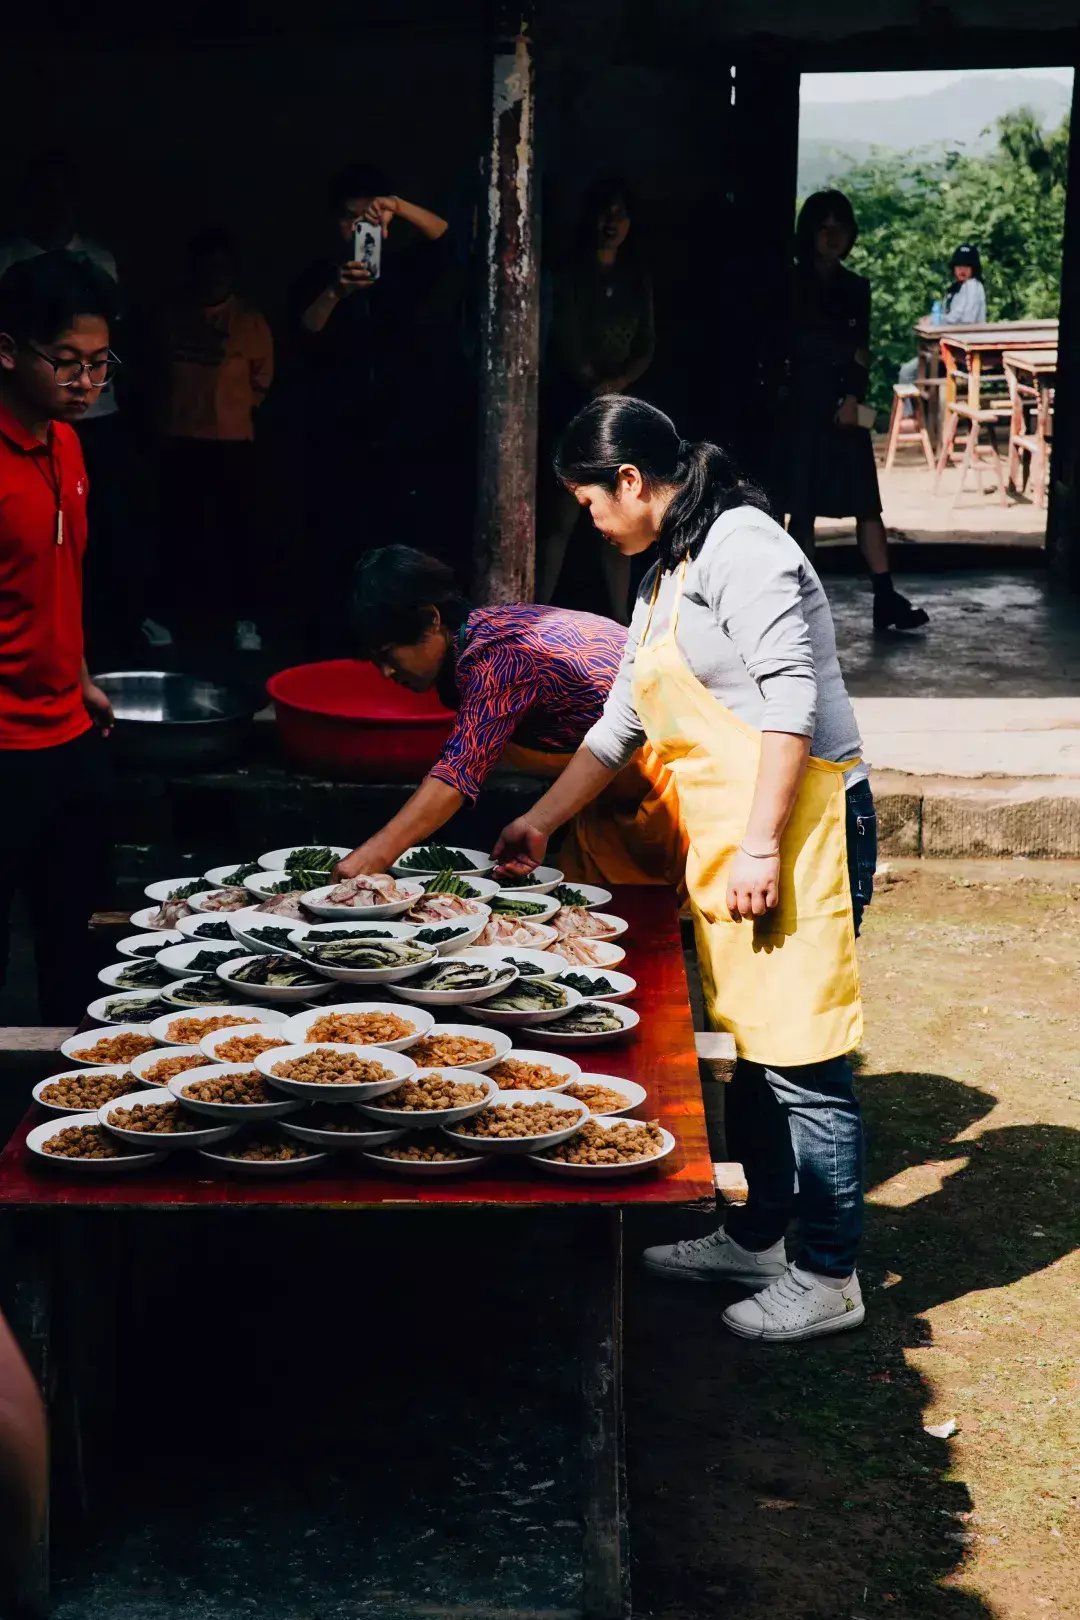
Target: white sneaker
{"x":717,"y":1258}
{"x":797,"y":1305}
{"x":155,"y":635}
{"x":248,"y":638}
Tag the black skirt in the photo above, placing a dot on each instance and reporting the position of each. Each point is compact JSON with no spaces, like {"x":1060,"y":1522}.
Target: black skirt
{"x":830,"y":472}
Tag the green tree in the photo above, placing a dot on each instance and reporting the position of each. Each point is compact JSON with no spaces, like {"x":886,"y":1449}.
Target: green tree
{"x":914,"y":210}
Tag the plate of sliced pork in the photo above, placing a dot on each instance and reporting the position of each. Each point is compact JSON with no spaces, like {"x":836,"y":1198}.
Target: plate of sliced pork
{"x":374,"y":895}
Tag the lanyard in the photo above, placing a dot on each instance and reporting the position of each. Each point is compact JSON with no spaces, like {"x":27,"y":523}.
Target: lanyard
{"x":52,"y":478}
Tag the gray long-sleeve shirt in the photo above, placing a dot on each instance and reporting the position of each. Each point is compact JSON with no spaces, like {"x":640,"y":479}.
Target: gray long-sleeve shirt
{"x":967,"y":306}
{"x":756,"y":630}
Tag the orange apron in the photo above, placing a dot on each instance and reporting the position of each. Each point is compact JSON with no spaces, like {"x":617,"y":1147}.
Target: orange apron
{"x":786,"y":985}
{"x":630,"y":834}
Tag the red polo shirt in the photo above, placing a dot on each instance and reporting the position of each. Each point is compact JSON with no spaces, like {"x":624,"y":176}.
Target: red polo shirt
{"x":41,"y":633}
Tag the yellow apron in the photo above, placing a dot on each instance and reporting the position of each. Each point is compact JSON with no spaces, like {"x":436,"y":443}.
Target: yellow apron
{"x":630,"y":834}
{"x":786,"y":985}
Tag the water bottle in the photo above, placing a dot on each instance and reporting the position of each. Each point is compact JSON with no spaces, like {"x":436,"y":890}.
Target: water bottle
{"x":935,"y":312}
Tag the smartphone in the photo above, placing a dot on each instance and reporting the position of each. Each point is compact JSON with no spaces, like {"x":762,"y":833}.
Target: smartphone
{"x":367,"y":246}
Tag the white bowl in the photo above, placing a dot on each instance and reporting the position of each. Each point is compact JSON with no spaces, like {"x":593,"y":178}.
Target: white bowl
{"x":217,"y":877}
{"x":88,"y":1038}
{"x":362,"y":1137}
{"x":167,"y":936}
{"x":482,"y":863}
{"x":297,"y":1027}
{"x":547,"y":878}
{"x":52,"y":1127}
{"x":251,"y":1015}
{"x":539,"y":936}
{"x":627,"y":1016}
{"x":529,"y":1020}
{"x":198,"y":1136}
{"x":188,"y":928}
{"x":185,"y":993}
{"x":116,"y":970}
{"x":268,"y":992}
{"x":96,"y":1009}
{"x":268,"y":1169}
{"x":243,"y":922}
{"x":460,"y":998}
{"x":265,"y":884}
{"x":177,"y":957}
{"x":357,"y":926}
{"x":197,"y":902}
{"x":114,"y":1073}
{"x":609,"y":956}
{"x":622,"y":985}
{"x":604,"y":1172}
{"x":576,"y":1115}
{"x":387,"y":975}
{"x":634,"y":1094}
{"x":542,"y":906}
{"x":238,"y":1113}
{"x":316,"y":902}
{"x":470,"y":930}
{"x":167,"y":887}
{"x":141,"y":919}
{"x":564,"y":1068}
{"x":614,"y":927}
{"x":413,"y":1119}
{"x":492,"y":1037}
{"x":594,"y":896}
{"x":515,"y":957}
{"x":429,"y":1172}
{"x":274,"y":860}
{"x":486,"y":888}
{"x":140,"y":1065}
{"x":401,"y":1068}
{"x":209,"y":1044}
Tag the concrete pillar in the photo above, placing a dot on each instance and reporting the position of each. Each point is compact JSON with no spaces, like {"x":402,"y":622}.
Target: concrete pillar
{"x":506,"y":504}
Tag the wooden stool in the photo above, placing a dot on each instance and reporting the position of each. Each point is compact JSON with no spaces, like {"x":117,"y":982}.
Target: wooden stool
{"x":904,"y":429}
{"x":974,"y":450}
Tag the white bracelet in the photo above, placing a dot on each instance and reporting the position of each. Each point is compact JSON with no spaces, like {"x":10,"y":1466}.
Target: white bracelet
{"x":769,"y":855}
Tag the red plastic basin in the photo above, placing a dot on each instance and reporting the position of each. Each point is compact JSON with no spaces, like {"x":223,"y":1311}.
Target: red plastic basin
{"x":345,"y":720}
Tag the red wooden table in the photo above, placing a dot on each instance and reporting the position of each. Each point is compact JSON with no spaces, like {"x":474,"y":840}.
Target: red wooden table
{"x":660,"y":1055}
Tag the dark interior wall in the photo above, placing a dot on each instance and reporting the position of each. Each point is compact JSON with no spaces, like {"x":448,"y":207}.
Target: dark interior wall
{"x":170,"y":137}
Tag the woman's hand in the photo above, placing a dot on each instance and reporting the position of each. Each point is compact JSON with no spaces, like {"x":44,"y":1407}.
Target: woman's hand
{"x":363,"y":862}
{"x":848,"y":413}
{"x":520,"y":848}
{"x":753,"y":885}
{"x":382,"y":211}
{"x":350,"y":278}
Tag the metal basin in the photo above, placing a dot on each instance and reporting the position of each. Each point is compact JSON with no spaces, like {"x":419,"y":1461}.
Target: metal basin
{"x":169,"y":719}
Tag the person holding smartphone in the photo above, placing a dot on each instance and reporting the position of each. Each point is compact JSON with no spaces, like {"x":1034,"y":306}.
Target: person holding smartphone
{"x":357,"y":335}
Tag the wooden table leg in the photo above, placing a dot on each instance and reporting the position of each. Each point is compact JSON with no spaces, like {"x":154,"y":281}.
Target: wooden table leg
{"x":605,"y":1553}
{"x":29,"y":1253}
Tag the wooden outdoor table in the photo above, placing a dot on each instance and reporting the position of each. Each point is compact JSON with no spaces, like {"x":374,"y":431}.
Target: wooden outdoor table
{"x":45,"y":1204}
{"x":976,"y":343}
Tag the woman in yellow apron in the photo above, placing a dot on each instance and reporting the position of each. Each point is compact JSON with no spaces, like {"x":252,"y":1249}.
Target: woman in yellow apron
{"x":527,"y":682}
{"x":731,"y":675}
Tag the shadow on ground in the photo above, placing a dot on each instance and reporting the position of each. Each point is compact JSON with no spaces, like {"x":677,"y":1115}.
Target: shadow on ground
{"x":800,"y":1482}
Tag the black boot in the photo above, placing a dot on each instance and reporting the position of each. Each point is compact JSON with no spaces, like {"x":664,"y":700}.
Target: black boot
{"x":894,"y":612}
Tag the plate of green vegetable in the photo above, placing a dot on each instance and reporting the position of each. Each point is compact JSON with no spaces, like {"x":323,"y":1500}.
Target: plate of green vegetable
{"x":597,"y":984}
{"x":541,"y":880}
{"x":425,"y":860}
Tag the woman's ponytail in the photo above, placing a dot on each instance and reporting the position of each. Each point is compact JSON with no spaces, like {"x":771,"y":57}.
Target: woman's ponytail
{"x":614,"y":431}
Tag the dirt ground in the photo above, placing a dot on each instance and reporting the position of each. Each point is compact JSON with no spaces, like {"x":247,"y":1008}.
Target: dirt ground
{"x":800,"y":1483}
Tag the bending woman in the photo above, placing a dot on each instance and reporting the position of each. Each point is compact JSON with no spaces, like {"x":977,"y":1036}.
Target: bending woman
{"x":527,"y":683}
{"x":731,"y":675}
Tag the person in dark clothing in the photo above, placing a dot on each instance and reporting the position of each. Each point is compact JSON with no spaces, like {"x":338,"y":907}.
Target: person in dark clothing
{"x":54,"y":358}
{"x":220,"y":357}
{"x":356,"y":340}
{"x":603,"y":341}
{"x":829,"y":468}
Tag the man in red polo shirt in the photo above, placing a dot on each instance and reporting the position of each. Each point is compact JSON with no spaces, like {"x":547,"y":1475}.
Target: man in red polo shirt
{"x":54,"y":358}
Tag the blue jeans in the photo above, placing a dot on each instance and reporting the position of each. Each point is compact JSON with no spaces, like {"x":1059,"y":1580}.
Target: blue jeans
{"x":803,"y":1120}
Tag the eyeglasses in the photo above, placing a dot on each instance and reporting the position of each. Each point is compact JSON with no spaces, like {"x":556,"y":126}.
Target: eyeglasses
{"x":70,"y":372}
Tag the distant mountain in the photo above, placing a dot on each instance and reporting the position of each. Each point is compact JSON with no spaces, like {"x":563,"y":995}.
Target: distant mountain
{"x":833,"y":137}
